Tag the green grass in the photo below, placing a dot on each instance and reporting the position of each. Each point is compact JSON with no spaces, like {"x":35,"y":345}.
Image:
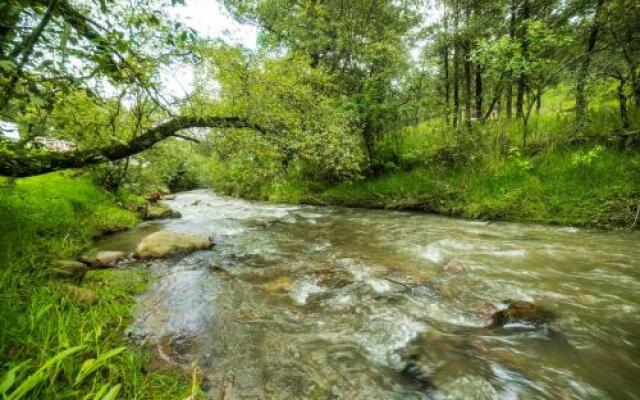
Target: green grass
{"x":555,"y":187}
{"x":587,"y":178}
{"x":52,"y":346}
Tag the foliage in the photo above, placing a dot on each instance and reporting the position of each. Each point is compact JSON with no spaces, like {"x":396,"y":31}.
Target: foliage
{"x":52,"y":346}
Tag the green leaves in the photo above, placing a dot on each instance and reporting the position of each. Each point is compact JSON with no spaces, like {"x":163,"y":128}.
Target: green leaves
{"x":47,"y":370}
{"x":35,"y":378}
{"x":10,"y":377}
{"x":91,"y":365}
{"x":7,"y":65}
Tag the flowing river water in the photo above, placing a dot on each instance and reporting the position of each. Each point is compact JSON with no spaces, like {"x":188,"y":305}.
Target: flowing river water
{"x":306,"y":302}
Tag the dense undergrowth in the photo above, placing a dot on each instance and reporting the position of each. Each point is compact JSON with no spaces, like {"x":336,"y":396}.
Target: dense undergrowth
{"x":53,"y":346}
{"x":590,"y":178}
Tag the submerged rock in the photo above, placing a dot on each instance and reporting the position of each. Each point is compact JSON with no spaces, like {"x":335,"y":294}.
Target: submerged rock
{"x":420,"y":368}
{"x":333,"y":278}
{"x":453,"y":266}
{"x":158,"y":212}
{"x":166,"y":243}
{"x":469,"y":387}
{"x":104,"y":259}
{"x":521,"y":314}
{"x":279,"y":285}
{"x":69,"y":269}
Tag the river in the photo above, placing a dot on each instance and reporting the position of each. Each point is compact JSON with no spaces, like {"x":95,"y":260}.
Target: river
{"x":308,"y":302}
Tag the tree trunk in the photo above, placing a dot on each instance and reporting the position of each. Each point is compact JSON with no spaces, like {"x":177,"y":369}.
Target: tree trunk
{"x":456,"y":67}
{"x":622,"y":101}
{"x":583,"y":70}
{"x":447,"y":84}
{"x":524,"y":48}
{"x":467,"y":71}
{"x":509,"y":83}
{"x":467,"y":87}
{"x":635,"y":86}
{"x":16,"y":161}
{"x":479,"y":94}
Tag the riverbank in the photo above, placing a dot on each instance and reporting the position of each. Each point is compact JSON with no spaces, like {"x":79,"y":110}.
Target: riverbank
{"x":588,"y":187}
{"x":55,"y":343}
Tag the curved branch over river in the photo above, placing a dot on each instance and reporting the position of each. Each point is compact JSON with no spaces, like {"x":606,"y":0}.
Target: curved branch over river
{"x":16,"y":161}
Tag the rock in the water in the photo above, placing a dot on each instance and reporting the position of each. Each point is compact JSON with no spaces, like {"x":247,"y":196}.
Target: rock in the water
{"x":153,"y":197}
{"x":168,"y":197}
{"x":469,"y":387}
{"x":195,"y":202}
{"x":453,"y":266}
{"x":420,"y":368}
{"x":157,"y":212}
{"x":104,"y":259}
{"x":166,"y":243}
{"x":81,"y":295}
{"x":69,"y":269}
{"x":279,"y":284}
{"x":447,"y":290}
{"x":521,"y":314}
{"x":333,"y":278}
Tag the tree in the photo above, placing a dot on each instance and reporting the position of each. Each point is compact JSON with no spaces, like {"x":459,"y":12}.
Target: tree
{"x":583,"y":71}
{"x":361,"y":44}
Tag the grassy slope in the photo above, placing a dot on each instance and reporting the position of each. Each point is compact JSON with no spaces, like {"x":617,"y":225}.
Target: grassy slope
{"x":593,"y":184}
{"x":55,"y":216}
{"x":550,"y":188}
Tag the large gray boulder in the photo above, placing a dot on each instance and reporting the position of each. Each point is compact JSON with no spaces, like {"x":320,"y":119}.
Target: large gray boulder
{"x":166,"y":243}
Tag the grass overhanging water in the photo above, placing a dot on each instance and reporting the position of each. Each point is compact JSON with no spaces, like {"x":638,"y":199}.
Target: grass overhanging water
{"x":52,"y":345}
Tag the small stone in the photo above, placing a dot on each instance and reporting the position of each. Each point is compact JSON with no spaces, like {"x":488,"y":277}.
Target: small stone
{"x":104,"y":259}
{"x":588,"y":298}
{"x":153,"y":197}
{"x":453,"y":266}
{"x":80,"y":295}
{"x":195,"y":202}
{"x":278,"y":285}
{"x":69,"y":269}
{"x":157,"y":212}
{"x":421,"y":368}
{"x":447,"y":290}
{"x":522,"y":313}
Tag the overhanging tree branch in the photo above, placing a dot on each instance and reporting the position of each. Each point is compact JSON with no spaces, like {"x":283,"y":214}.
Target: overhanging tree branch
{"x":18,"y":162}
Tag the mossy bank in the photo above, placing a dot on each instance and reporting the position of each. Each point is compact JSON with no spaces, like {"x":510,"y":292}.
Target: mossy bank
{"x":589,"y":186}
{"x":54,"y":343}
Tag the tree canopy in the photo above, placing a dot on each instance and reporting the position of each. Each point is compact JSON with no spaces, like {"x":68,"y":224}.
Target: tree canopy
{"x":330,"y":85}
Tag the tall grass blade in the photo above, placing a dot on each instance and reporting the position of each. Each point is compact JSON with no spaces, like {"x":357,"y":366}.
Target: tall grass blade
{"x":113,"y":393}
{"x":10,"y":377}
{"x":34,"y":379}
{"x":91,"y":365}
